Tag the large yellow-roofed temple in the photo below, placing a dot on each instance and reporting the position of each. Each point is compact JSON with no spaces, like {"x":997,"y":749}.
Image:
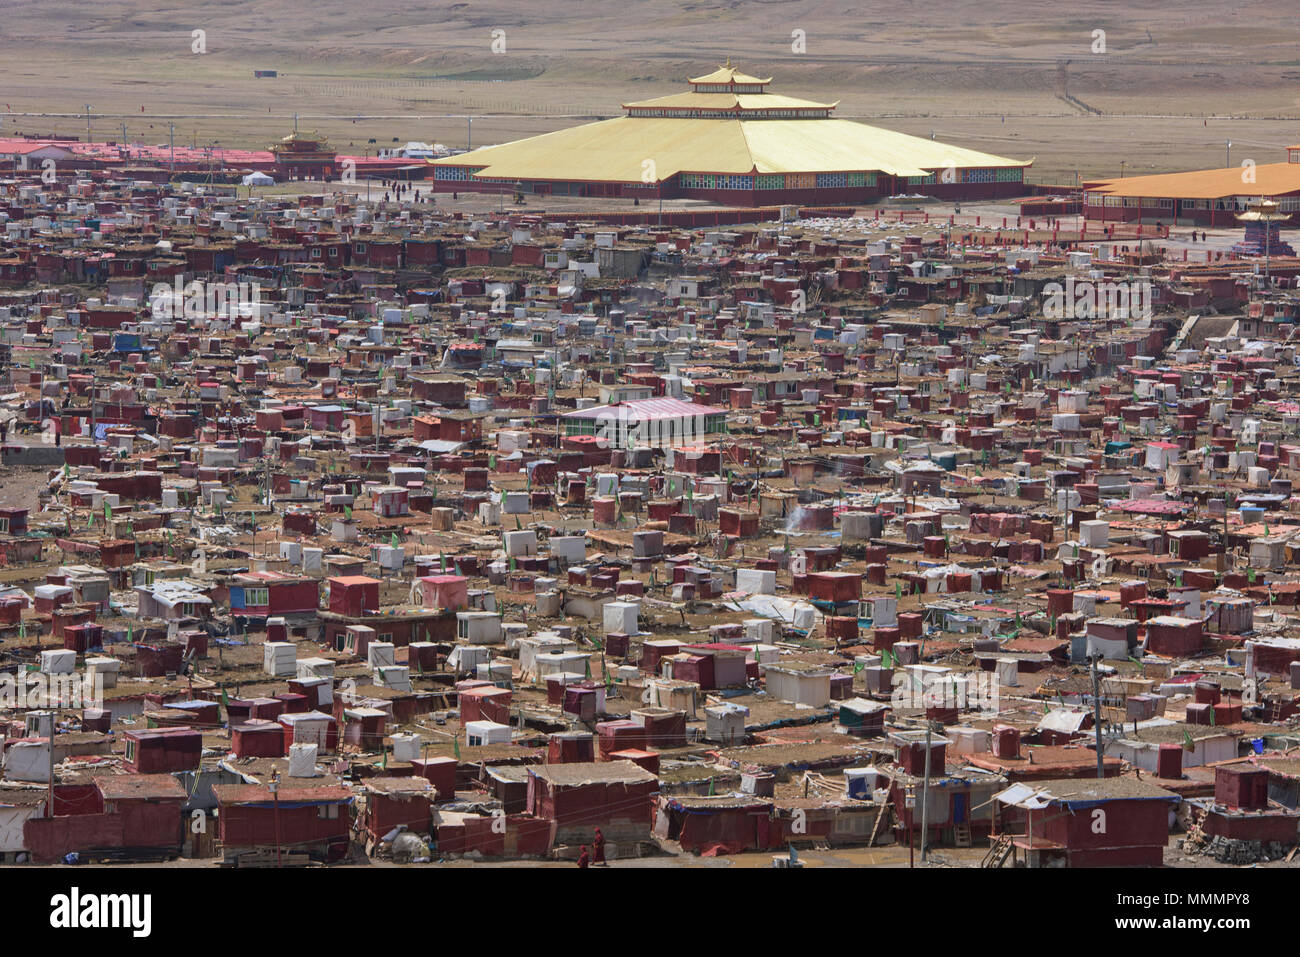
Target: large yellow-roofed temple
{"x":730,"y":140}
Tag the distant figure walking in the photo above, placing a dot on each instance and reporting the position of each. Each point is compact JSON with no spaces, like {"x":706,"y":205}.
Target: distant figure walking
{"x":598,"y":845}
{"x":583,"y":859}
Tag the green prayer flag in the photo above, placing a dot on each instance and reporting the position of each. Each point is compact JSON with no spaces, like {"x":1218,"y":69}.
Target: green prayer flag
{"x":858,"y":666}
{"x":898,"y":591}
{"x":886,"y":658}
{"x":392,"y":540}
{"x":455,"y":747}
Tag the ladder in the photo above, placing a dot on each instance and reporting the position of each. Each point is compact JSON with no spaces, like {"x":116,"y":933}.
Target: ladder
{"x":998,"y":852}
{"x":887,"y":811}
{"x":961,"y":834}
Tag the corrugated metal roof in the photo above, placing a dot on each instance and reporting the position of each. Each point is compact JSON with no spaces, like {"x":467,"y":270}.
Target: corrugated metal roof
{"x":645,"y":409}
{"x":1270,"y":179}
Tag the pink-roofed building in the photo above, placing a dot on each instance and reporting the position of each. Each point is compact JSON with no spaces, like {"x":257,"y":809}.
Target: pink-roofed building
{"x":445,"y":591}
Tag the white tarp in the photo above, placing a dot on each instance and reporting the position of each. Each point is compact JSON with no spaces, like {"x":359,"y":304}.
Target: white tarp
{"x":798,"y":614}
{"x":1064,"y":721}
{"x":1021,"y":795}
{"x":12,"y":819}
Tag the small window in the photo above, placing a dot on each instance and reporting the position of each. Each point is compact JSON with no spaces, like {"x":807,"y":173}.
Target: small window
{"x":130,"y":751}
{"x":256,"y":597}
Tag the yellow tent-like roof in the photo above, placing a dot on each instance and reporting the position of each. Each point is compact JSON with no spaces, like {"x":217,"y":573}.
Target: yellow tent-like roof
{"x":617,"y":150}
{"x":1269,"y":179}
{"x":726,"y":101}
{"x":727,"y":74}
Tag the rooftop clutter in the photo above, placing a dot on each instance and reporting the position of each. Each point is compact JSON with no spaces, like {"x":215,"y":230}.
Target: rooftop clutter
{"x":466,"y":537}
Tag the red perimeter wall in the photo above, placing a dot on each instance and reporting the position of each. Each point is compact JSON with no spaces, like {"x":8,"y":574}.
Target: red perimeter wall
{"x":151,"y":824}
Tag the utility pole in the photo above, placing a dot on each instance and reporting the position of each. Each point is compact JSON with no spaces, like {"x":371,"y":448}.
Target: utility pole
{"x":1268,"y":247}
{"x":49,"y":796}
{"x":1096,"y":708}
{"x":171,"y":143}
{"x":87,"y":122}
{"x":925,"y":795}
{"x":469,"y":133}
{"x":274,"y":785}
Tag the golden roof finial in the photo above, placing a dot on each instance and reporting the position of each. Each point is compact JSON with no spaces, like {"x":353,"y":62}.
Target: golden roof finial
{"x":728,"y":63}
